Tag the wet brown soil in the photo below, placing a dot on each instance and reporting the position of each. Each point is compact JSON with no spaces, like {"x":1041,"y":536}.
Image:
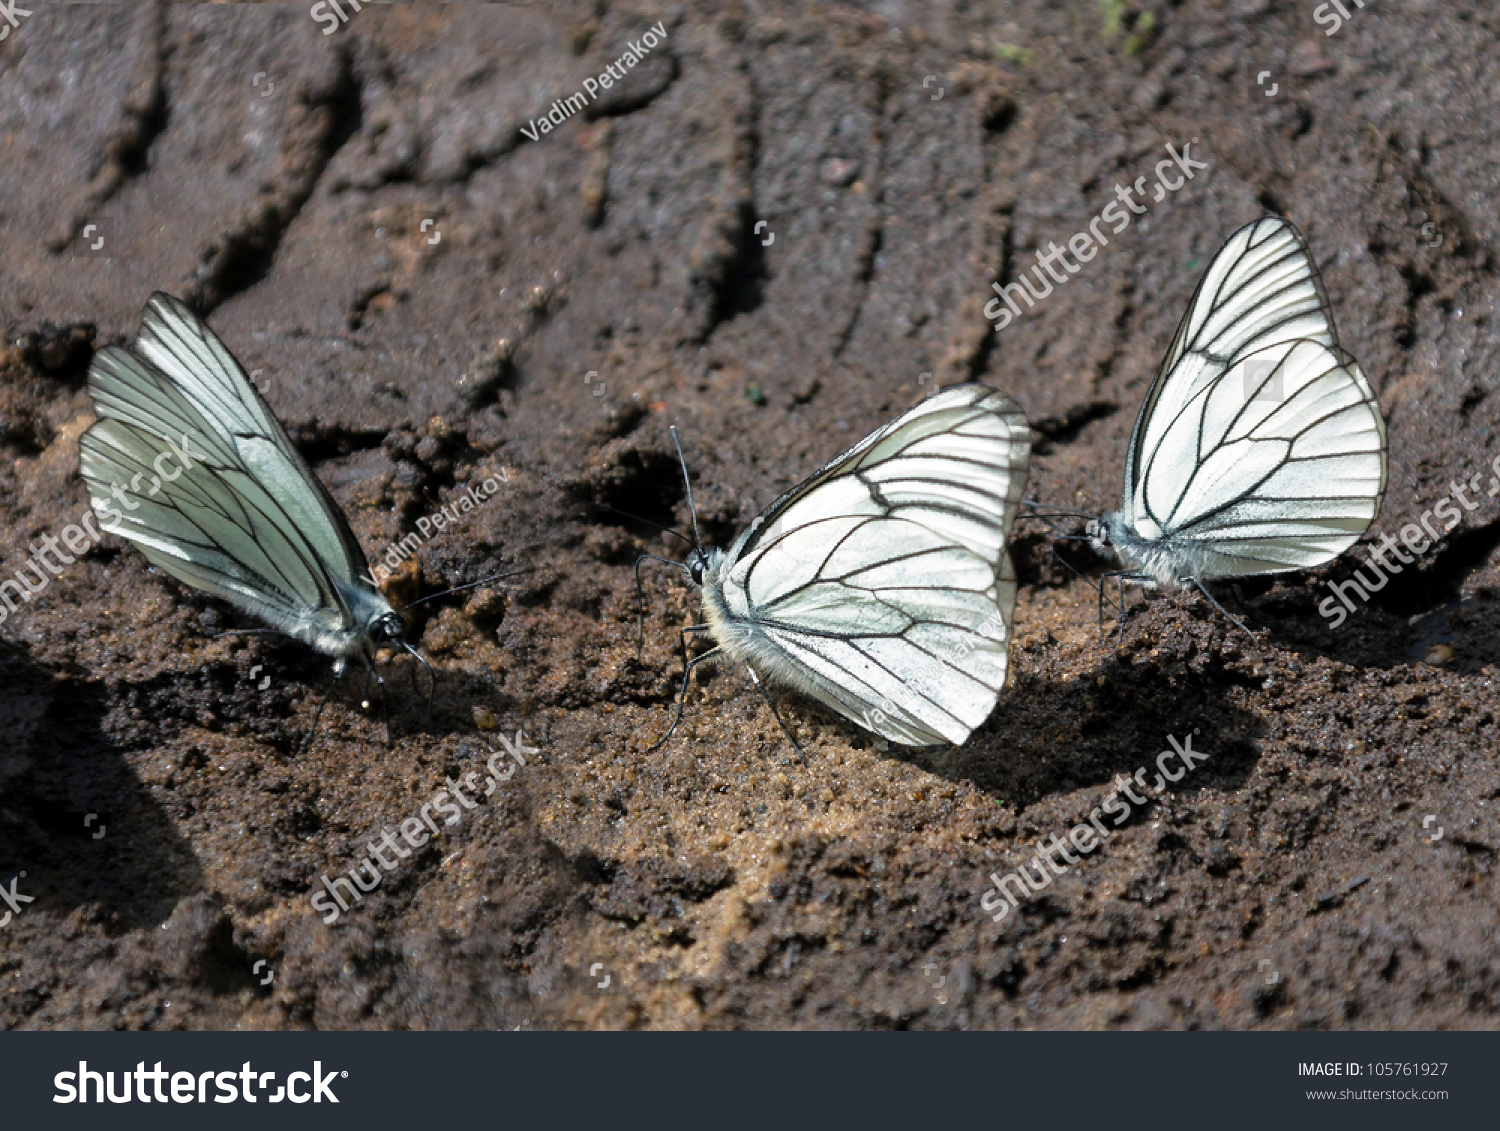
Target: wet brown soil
{"x":1331,"y":865}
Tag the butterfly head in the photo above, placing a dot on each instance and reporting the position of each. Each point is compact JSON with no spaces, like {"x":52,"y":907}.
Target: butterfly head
{"x":703,"y":564}
{"x":386,"y":627}
{"x":697,"y":565}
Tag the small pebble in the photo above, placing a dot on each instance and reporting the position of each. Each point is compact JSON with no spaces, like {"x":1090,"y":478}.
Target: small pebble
{"x":839,"y":171}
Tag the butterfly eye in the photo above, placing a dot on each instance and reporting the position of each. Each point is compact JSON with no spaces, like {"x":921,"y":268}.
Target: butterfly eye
{"x":696,"y":569}
{"x":388,"y":627}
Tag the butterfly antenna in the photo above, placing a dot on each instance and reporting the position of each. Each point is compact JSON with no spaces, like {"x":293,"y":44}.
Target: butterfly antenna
{"x":1034,"y":508}
{"x":470,"y":585}
{"x":647,"y":521}
{"x":1056,"y":537}
{"x":688,"y":483}
{"x":640,"y":598}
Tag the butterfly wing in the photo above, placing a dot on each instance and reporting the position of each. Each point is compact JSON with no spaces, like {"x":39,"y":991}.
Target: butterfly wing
{"x":243,"y":517}
{"x":1260,"y":447}
{"x":1261,"y":289}
{"x":881,"y":586}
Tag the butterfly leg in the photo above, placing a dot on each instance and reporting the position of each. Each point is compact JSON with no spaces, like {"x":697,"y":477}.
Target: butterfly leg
{"x":338,"y":674}
{"x":1234,"y":620}
{"x":771,"y":703}
{"x":687,"y":675}
{"x":431,"y":677}
{"x":1121,"y":576}
{"x":385,"y":703}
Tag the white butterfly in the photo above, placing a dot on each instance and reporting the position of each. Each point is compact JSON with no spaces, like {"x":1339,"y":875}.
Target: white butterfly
{"x":1260,"y":447}
{"x":881,"y":586}
{"x":231,"y":507}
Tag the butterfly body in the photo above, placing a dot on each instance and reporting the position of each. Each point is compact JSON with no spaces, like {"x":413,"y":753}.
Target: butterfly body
{"x":1154,"y":563}
{"x":738,"y":632}
{"x":881,"y":586}
{"x":374,"y":622}
{"x":231,"y":508}
{"x":1260,"y":447}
